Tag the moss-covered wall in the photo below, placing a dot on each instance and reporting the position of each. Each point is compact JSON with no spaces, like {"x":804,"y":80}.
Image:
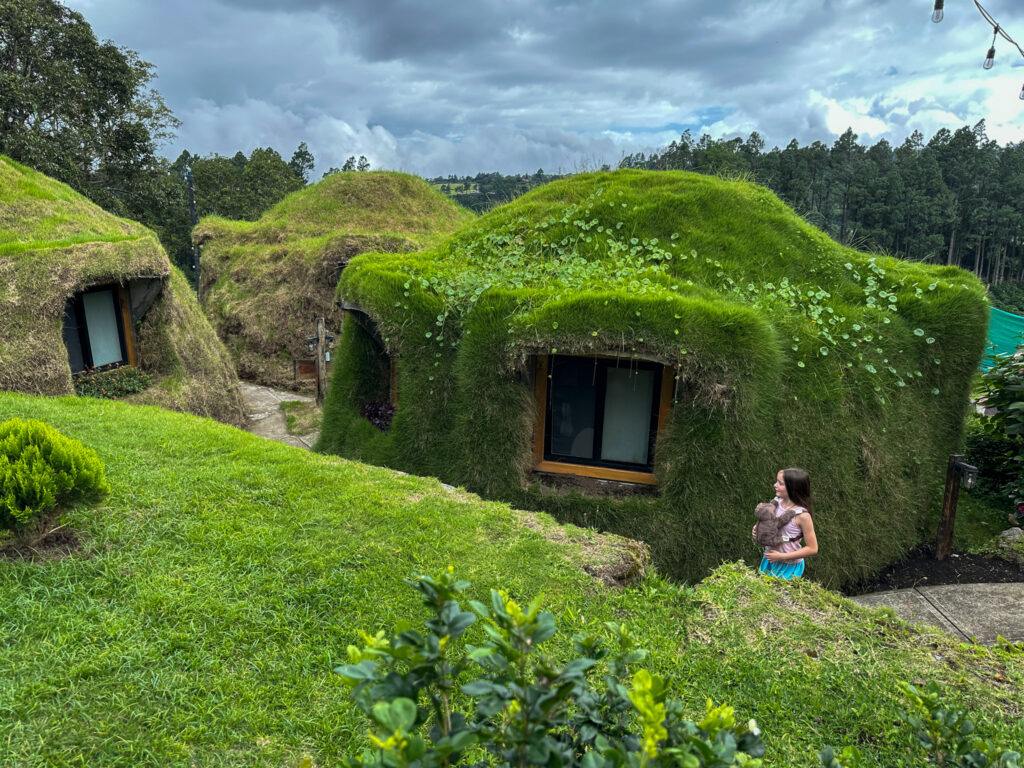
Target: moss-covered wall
{"x":790,"y":350}
{"x":264,"y":283}
{"x":55,"y":244}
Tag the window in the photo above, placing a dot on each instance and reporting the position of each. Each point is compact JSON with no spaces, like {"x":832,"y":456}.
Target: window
{"x":94,"y":329}
{"x":600,"y":416}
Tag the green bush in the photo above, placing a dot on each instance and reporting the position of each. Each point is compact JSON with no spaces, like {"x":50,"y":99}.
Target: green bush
{"x":111,"y":382}
{"x":520,"y":708}
{"x":939,"y":735}
{"x":996,"y":442}
{"x":40,"y":469}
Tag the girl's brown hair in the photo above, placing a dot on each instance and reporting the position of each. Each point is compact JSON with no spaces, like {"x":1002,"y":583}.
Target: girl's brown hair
{"x":798,"y":486}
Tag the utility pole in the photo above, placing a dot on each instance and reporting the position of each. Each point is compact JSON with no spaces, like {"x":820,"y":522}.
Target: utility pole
{"x":321,"y":360}
{"x":195,"y":220}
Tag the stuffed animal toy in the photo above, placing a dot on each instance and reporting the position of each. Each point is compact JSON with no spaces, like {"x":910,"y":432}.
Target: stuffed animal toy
{"x":769,"y":527}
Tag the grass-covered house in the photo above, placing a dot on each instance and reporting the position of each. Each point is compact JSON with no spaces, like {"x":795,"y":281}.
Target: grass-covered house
{"x":82,"y":290}
{"x":641,"y":352}
{"x":264,"y":283}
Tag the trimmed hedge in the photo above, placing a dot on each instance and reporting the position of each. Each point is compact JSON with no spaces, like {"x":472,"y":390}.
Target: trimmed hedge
{"x":789,"y":350}
{"x":41,"y":469}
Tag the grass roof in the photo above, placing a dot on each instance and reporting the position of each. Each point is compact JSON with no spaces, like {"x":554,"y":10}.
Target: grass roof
{"x":201,"y":620}
{"x":789,"y":349}
{"x":55,"y":243}
{"x":264,"y":283}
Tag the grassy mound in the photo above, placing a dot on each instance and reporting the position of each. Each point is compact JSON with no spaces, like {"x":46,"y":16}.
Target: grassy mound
{"x":788,"y":349}
{"x":264,"y":283}
{"x":221,"y":581}
{"x":56,"y":243}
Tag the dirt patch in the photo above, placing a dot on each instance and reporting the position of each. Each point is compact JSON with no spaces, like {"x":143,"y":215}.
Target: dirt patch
{"x":613,"y":560}
{"x":54,"y":545}
{"x":920,"y":569}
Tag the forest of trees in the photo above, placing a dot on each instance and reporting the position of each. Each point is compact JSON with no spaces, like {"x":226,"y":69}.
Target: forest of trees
{"x":956,"y":199}
{"x":482,"y":192}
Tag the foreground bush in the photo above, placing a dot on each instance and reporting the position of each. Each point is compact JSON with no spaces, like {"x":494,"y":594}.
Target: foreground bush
{"x":520,"y":708}
{"x":41,"y":470}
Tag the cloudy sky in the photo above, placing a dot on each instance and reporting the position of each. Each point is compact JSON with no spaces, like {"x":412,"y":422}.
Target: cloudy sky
{"x":461,"y":86}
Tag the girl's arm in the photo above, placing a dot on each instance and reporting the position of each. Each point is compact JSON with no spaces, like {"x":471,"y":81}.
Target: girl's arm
{"x":809,"y":548}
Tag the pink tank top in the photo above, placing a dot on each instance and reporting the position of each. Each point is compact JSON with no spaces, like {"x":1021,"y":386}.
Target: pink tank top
{"x":791,"y":532}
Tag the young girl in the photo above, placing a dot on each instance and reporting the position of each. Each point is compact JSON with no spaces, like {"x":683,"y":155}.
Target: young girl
{"x":792,"y":491}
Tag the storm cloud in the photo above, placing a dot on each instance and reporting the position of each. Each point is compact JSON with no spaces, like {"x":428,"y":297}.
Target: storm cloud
{"x":481,"y":85}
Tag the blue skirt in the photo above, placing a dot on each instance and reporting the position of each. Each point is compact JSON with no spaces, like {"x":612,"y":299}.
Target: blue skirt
{"x":781,"y":570}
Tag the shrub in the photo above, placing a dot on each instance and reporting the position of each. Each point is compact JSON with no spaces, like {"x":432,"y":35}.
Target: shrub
{"x":939,"y":734}
{"x":521,"y":708}
{"x":998,"y":441}
{"x":116,"y":381}
{"x":41,"y":469}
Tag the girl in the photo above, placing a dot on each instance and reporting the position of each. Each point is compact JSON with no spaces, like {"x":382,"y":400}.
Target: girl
{"x":792,"y":491}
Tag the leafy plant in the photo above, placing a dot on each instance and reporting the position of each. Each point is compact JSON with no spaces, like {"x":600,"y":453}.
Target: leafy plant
{"x":942,"y":735}
{"x":1003,"y":431}
{"x":41,"y":469}
{"x":115,"y":381}
{"x":520,"y":708}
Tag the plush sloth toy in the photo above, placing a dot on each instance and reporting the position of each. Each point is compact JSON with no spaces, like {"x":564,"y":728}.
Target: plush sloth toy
{"x":769,"y":527}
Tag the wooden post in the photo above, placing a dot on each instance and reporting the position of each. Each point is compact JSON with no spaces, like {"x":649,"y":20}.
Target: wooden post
{"x":321,"y":362}
{"x":944,"y":544}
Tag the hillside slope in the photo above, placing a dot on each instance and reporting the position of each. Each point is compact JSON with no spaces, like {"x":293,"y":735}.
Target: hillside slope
{"x":224,"y":576}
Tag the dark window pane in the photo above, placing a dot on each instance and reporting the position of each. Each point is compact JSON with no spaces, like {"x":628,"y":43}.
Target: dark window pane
{"x":71,"y":338}
{"x":573,"y":397}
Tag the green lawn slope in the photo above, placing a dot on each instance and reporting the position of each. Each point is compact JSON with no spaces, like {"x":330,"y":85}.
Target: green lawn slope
{"x":54,"y":243}
{"x":264,"y":283}
{"x":222,"y":579}
{"x":788,"y":350}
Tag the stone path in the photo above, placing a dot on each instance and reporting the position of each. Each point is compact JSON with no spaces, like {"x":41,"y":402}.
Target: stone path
{"x":977,"y":612}
{"x":266,"y":419}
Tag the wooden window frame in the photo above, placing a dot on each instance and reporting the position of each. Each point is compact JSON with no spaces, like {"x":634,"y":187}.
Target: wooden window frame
{"x":540,"y":435}
{"x":123,"y":313}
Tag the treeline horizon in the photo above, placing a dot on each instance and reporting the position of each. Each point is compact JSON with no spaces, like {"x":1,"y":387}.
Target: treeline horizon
{"x":956,"y":199}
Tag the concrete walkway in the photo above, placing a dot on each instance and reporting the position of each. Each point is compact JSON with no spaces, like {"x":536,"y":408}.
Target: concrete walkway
{"x":266,"y":419}
{"x":977,"y":612}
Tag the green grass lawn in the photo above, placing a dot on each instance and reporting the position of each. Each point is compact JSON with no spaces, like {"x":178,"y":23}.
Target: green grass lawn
{"x":221,"y":580}
{"x":301,"y":416}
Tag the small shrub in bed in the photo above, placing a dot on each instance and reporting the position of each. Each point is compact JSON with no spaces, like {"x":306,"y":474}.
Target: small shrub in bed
{"x":41,"y":470}
{"x":116,"y":381}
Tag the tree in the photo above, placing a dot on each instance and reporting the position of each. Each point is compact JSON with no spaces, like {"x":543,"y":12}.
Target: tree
{"x":77,"y":109}
{"x":302,"y":162}
{"x":363,"y":164}
{"x":350,"y":164}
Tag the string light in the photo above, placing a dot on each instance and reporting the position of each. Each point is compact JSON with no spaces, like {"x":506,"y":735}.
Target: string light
{"x":997,"y":31}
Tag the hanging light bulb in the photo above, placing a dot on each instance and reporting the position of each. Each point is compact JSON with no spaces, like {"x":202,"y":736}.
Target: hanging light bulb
{"x":937,"y":12}
{"x":990,"y":58}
